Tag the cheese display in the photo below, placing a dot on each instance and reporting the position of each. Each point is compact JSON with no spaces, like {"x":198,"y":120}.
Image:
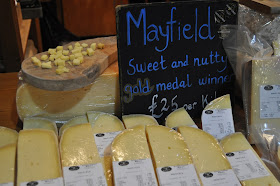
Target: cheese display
{"x":133,"y":120}
{"x":236,"y":144}
{"x":37,"y":156}
{"x":7,"y":136}
{"x":179,"y":117}
{"x":39,"y":123}
{"x":74,"y":121}
{"x":7,"y":163}
{"x":101,"y":95}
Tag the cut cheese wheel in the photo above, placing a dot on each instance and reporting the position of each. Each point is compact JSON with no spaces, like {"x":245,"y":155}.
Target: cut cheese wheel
{"x":133,"y":120}
{"x":39,"y":123}
{"x":38,"y":156}
{"x":77,"y":146}
{"x":7,"y":136}
{"x":179,"y":117}
{"x":60,"y":106}
{"x":131,"y":144}
{"x":7,"y":163}
{"x":205,"y":150}
{"x":222,"y":102}
{"x":237,"y":142}
{"x":167,"y":146}
{"x":74,"y":121}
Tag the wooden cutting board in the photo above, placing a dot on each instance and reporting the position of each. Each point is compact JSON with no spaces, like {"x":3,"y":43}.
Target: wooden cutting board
{"x":79,"y":76}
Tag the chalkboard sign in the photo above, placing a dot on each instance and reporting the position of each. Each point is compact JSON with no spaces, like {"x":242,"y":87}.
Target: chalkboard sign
{"x":171,"y":55}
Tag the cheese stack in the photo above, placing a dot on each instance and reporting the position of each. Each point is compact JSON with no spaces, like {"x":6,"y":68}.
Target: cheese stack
{"x":237,"y":142}
{"x":133,"y":120}
{"x":8,"y":144}
{"x":38,"y":156}
{"x":179,"y":117}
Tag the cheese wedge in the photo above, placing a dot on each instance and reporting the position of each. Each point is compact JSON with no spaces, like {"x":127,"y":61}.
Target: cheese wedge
{"x":133,"y":120}
{"x":60,"y":106}
{"x":7,"y":136}
{"x":205,"y":150}
{"x":39,"y":123}
{"x":168,"y":147}
{"x":37,"y":156}
{"x":222,"y":102}
{"x":74,"y":121}
{"x":7,"y":163}
{"x":237,"y":142}
{"x":179,"y":117}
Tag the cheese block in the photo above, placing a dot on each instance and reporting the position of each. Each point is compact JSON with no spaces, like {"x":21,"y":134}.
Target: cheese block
{"x":7,"y":163}
{"x":222,"y":102}
{"x":39,"y":123}
{"x":37,"y":156}
{"x":167,"y":147}
{"x":133,"y":120}
{"x":237,"y":142}
{"x":60,"y":106}
{"x":74,"y":121}
{"x":179,"y":117}
{"x":7,"y":136}
{"x":205,"y":150}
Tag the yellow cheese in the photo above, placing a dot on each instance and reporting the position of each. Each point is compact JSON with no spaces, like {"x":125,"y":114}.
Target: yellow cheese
{"x":222,"y":102}
{"x":179,"y":117}
{"x":167,"y":147}
{"x":7,"y":136}
{"x":39,"y":123}
{"x":205,"y":150}
{"x":7,"y":163}
{"x":133,"y":120}
{"x":37,"y":156}
{"x":60,"y":106}
{"x":131,"y":144}
{"x":237,"y":142}
{"x":74,"y":121}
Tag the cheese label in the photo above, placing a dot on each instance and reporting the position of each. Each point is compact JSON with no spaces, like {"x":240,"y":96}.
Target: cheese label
{"x":91,"y":174}
{"x":219,"y":178}
{"x":178,"y":175}
{"x":269,"y":101}
{"x":134,"y":172}
{"x":103,"y":141}
{"x":218,"y":122}
{"x":50,"y":182}
{"x":194,"y":126}
{"x":7,"y":184}
{"x":246,"y":165}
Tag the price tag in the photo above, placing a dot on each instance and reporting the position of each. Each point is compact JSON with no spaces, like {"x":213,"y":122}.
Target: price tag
{"x":269,"y":101}
{"x":50,"y":182}
{"x":219,"y":178}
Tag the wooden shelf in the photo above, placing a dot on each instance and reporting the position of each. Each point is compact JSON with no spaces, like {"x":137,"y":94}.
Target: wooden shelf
{"x":24,"y":33}
{"x":265,"y":6}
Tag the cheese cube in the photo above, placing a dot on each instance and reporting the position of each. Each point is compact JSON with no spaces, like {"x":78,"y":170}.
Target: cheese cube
{"x":59,"y":48}
{"x":66,"y":69}
{"x":52,"y":51}
{"x":60,"y":63}
{"x":59,"y":71}
{"x":100,"y":45}
{"x":36,"y":61}
{"x":37,"y":156}
{"x":47,"y":65}
{"x":93,"y":46}
{"x":76,"y":62}
{"x":179,"y":117}
{"x":70,"y":47}
{"x":58,"y":55}
{"x":65,"y":58}
{"x":44,"y":57}
{"x":81,"y":58}
{"x":72,"y":57}
{"x":74,"y":121}
{"x":84,"y":45}
{"x":74,"y":51}
{"x":52,"y":57}
{"x":167,"y":146}
{"x":7,"y":163}
{"x":133,"y":120}
{"x":39,"y":123}
{"x":237,"y":142}
{"x":84,"y":53}
{"x":65,"y":52}
{"x":7,"y":136}
{"x":77,"y":44}
{"x":90,"y":51}
{"x":78,"y":55}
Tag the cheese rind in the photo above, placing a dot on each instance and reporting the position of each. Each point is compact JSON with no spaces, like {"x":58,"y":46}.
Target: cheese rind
{"x":39,"y":123}
{"x":222,"y":102}
{"x":237,"y":142}
{"x":74,"y":121}
{"x":167,"y":146}
{"x":37,"y":156}
{"x":205,"y":150}
{"x":7,"y":163}
{"x":179,"y":117}
{"x":133,"y":120}
{"x":7,"y":136}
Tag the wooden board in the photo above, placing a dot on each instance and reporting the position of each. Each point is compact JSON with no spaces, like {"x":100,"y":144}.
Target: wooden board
{"x":265,"y":6}
{"x":79,"y":76}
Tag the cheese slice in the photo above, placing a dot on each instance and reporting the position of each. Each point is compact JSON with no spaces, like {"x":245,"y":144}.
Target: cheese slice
{"x":7,"y":136}
{"x":205,"y":150}
{"x":133,"y":120}
{"x":74,"y":121}
{"x":39,"y":123}
{"x":167,"y":147}
{"x":37,"y":156}
{"x":60,"y":106}
{"x":179,"y":117}
{"x":7,"y":163}
{"x":237,"y":142}
{"x":222,"y":102}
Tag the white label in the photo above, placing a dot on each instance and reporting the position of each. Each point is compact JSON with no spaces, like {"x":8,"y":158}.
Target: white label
{"x":218,"y":122}
{"x":178,"y":176}
{"x":269,"y":101}
{"x":246,"y":165}
{"x":91,"y":175}
{"x":219,"y":178}
{"x":134,"y":172}
{"x":50,"y":182}
{"x":7,"y":184}
{"x":103,"y":141}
